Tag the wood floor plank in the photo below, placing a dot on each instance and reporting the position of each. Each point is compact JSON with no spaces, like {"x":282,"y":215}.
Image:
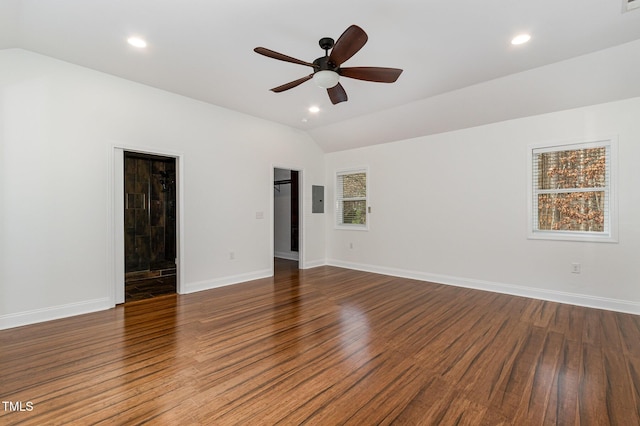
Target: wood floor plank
{"x":484,"y":377}
{"x":592,"y":389}
{"x":634,"y":372}
{"x":568,"y":320}
{"x":619,"y":388}
{"x":326,"y":346}
{"x":533,"y":406}
{"x":563,"y":396}
{"x":629,"y":327}
{"x":516,"y":388}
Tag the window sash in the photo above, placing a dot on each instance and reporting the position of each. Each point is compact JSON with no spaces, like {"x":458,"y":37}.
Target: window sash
{"x":573,"y":216}
{"x":582,"y":215}
{"x":351,"y":210}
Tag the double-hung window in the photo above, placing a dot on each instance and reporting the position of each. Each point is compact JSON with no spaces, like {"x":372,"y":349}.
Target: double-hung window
{"x":572,"y":191}
{"x":351,"y":199}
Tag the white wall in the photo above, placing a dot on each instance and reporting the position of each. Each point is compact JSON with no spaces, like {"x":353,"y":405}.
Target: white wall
{"x":59,"y":124}
{"x":452,"y":208}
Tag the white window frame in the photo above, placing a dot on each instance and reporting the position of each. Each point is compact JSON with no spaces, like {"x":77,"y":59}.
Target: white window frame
{"x":610,"y":234}
{"x":339,"y":200}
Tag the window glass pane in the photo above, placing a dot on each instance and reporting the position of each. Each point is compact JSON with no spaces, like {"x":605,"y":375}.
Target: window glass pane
{"x":574,"y":211}
{"x":354,"y":212}
{"x":577,"y":168}
{"x":354,"y":185}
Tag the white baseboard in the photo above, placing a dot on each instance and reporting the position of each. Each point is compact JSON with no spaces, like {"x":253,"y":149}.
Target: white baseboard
{"x":514,"y":290}
{"x":313,"y":264}
{"x":288,"y":255}
{"x":225,"y":281}
{"x":55,"y":312}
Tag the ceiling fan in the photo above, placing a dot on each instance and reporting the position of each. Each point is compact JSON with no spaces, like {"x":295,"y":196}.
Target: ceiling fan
{"x":327,"y":70}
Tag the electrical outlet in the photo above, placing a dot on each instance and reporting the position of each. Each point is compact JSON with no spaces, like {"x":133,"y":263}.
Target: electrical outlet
{"x":575,"y":268}
{"x":351,"y":245}
{"x":232,"y":255}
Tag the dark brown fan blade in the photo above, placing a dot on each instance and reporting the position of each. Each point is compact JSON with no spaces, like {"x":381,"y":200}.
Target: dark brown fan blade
{"x":380,"y":75}
{"x":348,"y":44}
{"x":279,"y":56}
{"x":291,"y":84}
{"x":337,"y":94}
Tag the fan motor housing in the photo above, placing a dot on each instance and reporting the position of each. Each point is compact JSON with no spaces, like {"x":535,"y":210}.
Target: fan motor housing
{"x":324,"y":64}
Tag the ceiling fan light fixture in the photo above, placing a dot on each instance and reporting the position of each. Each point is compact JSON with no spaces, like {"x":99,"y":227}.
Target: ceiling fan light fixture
{"x":326,"y":79}
{"x":327,"y":69}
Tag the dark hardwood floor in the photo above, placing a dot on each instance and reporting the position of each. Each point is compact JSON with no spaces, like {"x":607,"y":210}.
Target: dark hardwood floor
{"x":147,"y":288}
{"x":326,"y":346}
{"x":158,"y":281}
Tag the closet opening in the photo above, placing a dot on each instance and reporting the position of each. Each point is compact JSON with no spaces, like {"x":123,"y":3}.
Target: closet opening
{"x":286,"y":217}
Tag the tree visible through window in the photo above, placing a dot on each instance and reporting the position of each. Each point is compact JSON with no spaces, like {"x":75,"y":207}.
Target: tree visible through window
{"x":571,"y":189}
{"x":351,"y":198}
{"x":583,"y":170}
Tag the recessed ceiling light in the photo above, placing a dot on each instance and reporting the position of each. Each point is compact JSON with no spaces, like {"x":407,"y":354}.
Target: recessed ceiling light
{"x":137,"y":42}
{"x":314,"y":109}
{"x":521,"y":39}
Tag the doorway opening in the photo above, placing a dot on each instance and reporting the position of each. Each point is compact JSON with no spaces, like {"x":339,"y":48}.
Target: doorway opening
{"x":286,"y":216}
{"x":150,"y":226}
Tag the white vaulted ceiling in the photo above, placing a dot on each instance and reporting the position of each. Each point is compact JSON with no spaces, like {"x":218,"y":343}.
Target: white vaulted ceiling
{"x":460,"y":69}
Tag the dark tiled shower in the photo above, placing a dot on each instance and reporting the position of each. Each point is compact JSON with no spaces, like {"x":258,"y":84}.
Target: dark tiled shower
{"x":150,"y":226}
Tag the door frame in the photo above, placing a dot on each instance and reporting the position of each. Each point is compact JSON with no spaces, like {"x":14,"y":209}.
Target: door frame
{"x":117,"y":217}
{"x":301,"y":215}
